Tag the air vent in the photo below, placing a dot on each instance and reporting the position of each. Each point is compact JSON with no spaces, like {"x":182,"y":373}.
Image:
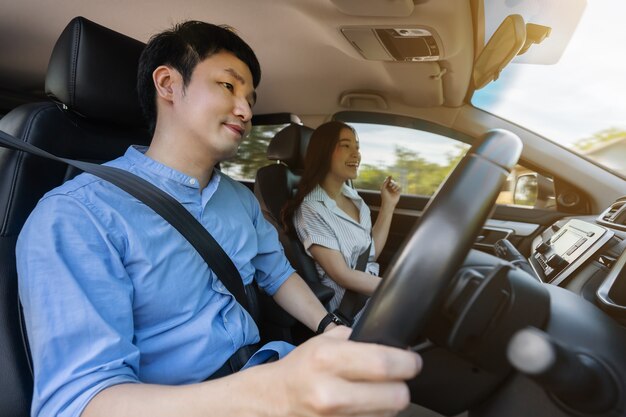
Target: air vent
{"x":616,"y":214}
{"x":612,"y":212}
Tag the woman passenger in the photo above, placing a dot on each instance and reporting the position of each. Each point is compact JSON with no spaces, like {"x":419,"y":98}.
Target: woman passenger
{"x":332,"y":220}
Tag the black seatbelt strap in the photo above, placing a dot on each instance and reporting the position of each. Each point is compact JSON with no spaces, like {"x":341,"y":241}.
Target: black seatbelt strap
{"x":352,"y":302}
{"x":164,"y":205}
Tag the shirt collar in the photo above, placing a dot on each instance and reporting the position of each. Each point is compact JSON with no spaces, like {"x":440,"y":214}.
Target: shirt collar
{"x":136,"y":156}
{"x":318,"y":194}
{"x":351,"y":193}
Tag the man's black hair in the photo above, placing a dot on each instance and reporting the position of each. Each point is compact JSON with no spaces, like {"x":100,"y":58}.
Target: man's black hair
{"x":183,"y":47}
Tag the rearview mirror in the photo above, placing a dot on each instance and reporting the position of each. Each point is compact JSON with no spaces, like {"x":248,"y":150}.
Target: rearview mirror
{"x":502,"y":47}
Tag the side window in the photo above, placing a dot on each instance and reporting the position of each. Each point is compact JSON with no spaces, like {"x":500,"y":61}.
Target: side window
{"x":252,"y":153}
{"x":417,"y":159}
{"x":420,"y":160}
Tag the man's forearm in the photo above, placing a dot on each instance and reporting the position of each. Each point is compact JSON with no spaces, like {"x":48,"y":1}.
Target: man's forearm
{"x":297,"y":299}
{"x":327,"y":375}
{"x":220,"y":397}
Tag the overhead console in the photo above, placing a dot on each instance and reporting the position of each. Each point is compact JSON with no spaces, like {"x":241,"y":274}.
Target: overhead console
{"x":558,"y":252}
{"x":405,"y":44}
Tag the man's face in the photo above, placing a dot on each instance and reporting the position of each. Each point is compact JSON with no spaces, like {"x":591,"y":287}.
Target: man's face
{"x":215,"y":108}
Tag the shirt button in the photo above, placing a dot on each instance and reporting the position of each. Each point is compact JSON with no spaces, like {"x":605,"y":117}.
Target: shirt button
{"x":192,"y":181}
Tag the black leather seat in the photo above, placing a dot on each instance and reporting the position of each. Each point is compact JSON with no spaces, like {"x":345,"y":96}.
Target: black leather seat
{"x":94,"y":115}
{"x":277,"y":183}
{"x":274,"y":185}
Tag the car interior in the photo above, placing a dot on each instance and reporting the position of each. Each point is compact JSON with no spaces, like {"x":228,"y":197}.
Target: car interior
{"x":507,"y":250}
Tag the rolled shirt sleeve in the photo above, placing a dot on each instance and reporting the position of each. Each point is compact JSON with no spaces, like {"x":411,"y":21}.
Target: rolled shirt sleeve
{"x":313,"y":229}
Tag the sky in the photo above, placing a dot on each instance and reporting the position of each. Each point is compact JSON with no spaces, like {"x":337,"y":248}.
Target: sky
{"x":582,"y":94}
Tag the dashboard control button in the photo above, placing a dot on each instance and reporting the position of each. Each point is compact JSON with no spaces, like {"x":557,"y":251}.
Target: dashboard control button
{"x":543,"y":247}
{"x":556,"y":262}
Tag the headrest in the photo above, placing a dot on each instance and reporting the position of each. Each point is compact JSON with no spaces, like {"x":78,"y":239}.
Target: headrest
{"x":93,"y":71}
{"x":289,"y":146}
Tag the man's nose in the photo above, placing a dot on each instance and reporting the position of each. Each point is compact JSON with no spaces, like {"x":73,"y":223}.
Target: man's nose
{"x":243,"y":110}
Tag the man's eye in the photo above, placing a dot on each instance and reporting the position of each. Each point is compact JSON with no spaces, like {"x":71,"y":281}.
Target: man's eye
{"x":228,"y":86}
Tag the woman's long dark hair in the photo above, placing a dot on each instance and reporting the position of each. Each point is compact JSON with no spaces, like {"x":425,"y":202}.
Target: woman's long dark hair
{"x":316,"y":165}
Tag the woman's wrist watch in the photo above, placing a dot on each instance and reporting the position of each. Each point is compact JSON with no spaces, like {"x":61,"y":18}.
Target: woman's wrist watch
{"x":328,"y":318}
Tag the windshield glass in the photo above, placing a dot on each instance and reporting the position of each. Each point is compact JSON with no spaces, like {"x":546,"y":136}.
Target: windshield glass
{"x":577,"y":97}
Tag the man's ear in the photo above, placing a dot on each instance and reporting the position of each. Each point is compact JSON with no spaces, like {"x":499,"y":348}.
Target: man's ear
{"x":166,"y":82}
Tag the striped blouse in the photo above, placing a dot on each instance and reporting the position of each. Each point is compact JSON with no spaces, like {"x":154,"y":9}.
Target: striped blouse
{"x":319,"y":221}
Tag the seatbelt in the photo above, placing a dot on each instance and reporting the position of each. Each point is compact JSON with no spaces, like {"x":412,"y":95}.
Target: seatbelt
{"x":352,"y":302}
{"x":165,"y":206}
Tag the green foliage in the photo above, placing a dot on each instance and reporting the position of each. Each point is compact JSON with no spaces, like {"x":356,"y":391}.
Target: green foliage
{"x":370,"y":177}
{"x":252,"y":153}
{"x":414,"y":173}
{"x":607,"y":135}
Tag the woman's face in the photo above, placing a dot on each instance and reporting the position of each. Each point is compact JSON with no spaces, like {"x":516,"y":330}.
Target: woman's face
{"x":346,"y":156}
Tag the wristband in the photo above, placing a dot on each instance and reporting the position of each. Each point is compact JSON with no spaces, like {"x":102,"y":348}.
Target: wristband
{"x":328,"y":318}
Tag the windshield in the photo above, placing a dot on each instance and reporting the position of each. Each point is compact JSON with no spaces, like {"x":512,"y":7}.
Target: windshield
{"x":579,"y":101}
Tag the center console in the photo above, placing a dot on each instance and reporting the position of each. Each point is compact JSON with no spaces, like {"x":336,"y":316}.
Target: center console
{"x":559,"y":251}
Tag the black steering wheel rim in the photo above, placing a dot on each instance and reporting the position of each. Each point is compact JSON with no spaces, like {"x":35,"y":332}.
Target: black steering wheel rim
{"x":427,"y":262}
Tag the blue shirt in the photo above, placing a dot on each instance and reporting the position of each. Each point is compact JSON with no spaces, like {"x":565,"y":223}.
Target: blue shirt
{"x":113,"y":294}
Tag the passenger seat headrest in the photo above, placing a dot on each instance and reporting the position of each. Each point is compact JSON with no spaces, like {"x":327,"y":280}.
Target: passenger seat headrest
{"x":93,"y":71}
{"x":289,"y":146}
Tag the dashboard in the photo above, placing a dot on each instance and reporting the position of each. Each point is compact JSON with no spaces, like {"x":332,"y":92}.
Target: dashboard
{"x":562,"y":249}
{"x":587,"y":255}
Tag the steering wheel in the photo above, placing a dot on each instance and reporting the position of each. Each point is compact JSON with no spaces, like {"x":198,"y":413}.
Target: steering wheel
{"x":585,"y":375}
{"x":426,"y":265}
